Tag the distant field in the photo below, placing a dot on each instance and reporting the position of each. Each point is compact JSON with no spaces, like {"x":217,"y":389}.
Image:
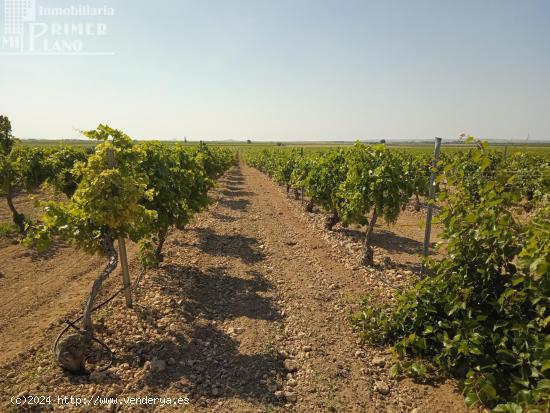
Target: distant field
{"x":47,"y":143}
{"x":423,"y":147}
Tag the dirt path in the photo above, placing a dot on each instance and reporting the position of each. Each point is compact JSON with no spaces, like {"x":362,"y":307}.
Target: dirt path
{"x":248,"y":313}
{"x":303,"y":309}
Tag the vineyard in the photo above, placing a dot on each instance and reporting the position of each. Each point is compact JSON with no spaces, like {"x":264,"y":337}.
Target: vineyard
{"x":242,"y":295}
{"x":483,"y":312}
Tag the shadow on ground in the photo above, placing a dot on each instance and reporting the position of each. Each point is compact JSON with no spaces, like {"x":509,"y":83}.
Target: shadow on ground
{"x":235,"y":179}
{"x":235,"y":204}
{"x":387,"y":240}
{"x":214,"y":368}
{"x":216,"y":295}
{"x":234,"y":193}
{"x":223,"y":217}
{"x":239,"y":246}
{"x":47,"y":254}
{"x":233,"y":187}
{"x":206,"y":360}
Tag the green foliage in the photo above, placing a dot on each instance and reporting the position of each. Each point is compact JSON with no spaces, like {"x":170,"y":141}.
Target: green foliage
{"x":108,"y":199}
{"x":484,"y":315}
{"x":62,"y":174}
{"x":354,"y":182}
{"x":6,"y":138}
{"x":264,"y":160}
{"x":301,"y":171}
{"x":8,"y":175}
{"x":319,"y":175}
{"x":285,"y":164}
{"x":349,"y":183}
{"x":126,"y":189}
{"x":27,"y":168}
{"x":214,"y":160}
{"x":170,"y":182}
{"x":531,"y":177}
{"x":327,"y":172}
{"x":179,"y":185}
{"x":22,"y":168}
{"x":418,"y":170}
{"x":376,"y":179}
{"x":8,"y":229}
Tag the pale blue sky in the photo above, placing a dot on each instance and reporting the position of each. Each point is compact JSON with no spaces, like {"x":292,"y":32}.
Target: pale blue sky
{"x":295,"y":70}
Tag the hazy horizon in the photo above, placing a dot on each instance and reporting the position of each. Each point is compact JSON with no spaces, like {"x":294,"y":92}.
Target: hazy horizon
{"x":446,"y":140}
{"x":292,"y":70}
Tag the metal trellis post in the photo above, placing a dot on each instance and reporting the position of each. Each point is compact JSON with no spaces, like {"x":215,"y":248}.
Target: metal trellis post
{"x":429,"y":213}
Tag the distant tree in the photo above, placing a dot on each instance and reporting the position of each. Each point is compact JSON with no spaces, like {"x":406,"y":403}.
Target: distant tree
{"x":7,"y":173}
{"x":248,"y":141}
{"x":279,"y":144}
{"x":6,"y":138}
{"x":21,"y":168}
{"x":185,"y":139}
{"x":382,"y":141}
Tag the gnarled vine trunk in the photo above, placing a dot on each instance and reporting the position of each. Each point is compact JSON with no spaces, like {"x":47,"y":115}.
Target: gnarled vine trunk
{"x":309,"y":206}
{"x":72,"y":351}
{"x":368,"y":252}
{"x":18,"y":218}
{"x":417,"y":203}
{"x":158,"y":252}
{"x":331,"y":220}
{"x":296,"y":194}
